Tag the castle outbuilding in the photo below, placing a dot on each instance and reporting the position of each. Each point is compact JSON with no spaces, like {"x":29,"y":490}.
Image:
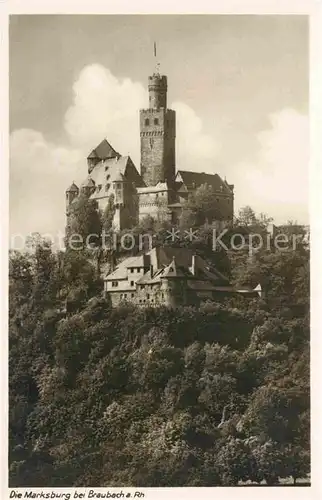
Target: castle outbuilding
{"x":171,"y":277}
{"x":158,"y":191}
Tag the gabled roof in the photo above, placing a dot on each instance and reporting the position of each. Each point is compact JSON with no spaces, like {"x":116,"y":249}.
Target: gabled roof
{"x":173,"y":271}
{"x":103,"y":151}
{"x":193,"y":180}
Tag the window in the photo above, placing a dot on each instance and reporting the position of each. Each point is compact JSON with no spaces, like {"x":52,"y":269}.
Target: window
{"x":121,"y":296}
{"x":115,"y":283}
{"x":156,"y":121}
{"x":138,"y":269}
{"x":107,"y":177}
{"x":132,"y":269}
{"x":147,"y":295}
{"x":99,"y":187}
{"x":132,"y":283}
{"x":132,"y":295}
{"x":125,"y":295}
{"x":147,"y":121}
{"x":107,"y":186}
{"x":119,"y":186}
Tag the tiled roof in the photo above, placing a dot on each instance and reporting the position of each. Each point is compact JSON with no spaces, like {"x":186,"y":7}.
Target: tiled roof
{"x":103,"y":151}
{"x":192,"y":180}
{"x":112,"y":170}
{"x":121,"y":270}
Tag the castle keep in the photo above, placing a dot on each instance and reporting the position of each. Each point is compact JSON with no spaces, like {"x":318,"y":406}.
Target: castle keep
{"x":159,"y":190}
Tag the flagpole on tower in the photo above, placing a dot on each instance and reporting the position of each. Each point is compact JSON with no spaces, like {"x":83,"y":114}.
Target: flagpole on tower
{"x":157,"y":64}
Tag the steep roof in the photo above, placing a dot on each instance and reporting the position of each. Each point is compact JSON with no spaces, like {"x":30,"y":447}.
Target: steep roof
{"x":103,"y":151}
{"x":192,"y":180}
{"x":88,"y":182}
{"x":72,"y":188}
{"x":113,"y":170}
{"x":170,"y":262}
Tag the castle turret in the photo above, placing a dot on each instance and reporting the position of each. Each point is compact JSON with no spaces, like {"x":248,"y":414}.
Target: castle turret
{"x":158,"y":86}
{"x":71,"y":193}
{"x":88,"y":187}
{"x":118,"y":189}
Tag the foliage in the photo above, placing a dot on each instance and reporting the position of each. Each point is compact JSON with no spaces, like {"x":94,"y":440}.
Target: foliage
{"x":203,"y":396}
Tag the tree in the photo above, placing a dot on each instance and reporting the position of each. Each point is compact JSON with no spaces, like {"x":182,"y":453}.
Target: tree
{"x":84,"y":226}
{"x":200,"y":207}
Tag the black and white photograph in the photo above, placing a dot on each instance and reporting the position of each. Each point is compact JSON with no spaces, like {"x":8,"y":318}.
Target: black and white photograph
{"x":159,"y":253}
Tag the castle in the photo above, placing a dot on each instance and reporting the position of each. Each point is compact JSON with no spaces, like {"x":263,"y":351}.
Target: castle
{"x":159,"y":191}
{"x":163,"y":276}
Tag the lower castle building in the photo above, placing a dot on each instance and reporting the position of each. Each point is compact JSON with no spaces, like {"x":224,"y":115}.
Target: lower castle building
{"x":158,"y":191}
{"x":168,"y":276}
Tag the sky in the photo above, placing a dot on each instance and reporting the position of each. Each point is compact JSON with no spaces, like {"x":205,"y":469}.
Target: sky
{"x":239,"y":85}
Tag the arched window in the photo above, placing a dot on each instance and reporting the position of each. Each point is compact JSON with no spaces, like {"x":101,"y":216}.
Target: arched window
{"x":147,"y":121}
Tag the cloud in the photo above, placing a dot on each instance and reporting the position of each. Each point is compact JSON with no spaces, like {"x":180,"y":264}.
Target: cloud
{"x":278,"y":183}
{"x":106,"y":106}
{"x":40,"y":172}
{"x":103,"y":106}
{"x":195,"y":150}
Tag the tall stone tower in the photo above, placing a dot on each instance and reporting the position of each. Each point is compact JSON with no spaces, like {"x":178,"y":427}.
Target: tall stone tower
{"x":158,"y":133}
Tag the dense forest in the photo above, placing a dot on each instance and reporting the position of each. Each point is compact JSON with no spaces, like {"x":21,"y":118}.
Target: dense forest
{"x":207,"y":396}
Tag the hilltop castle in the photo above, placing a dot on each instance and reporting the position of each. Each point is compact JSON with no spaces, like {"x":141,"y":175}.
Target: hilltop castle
{"x":159,"y":190}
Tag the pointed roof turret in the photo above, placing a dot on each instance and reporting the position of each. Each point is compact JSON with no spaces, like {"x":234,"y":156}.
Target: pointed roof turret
{"x":72,"y":188}
{"x":88,"y":182}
